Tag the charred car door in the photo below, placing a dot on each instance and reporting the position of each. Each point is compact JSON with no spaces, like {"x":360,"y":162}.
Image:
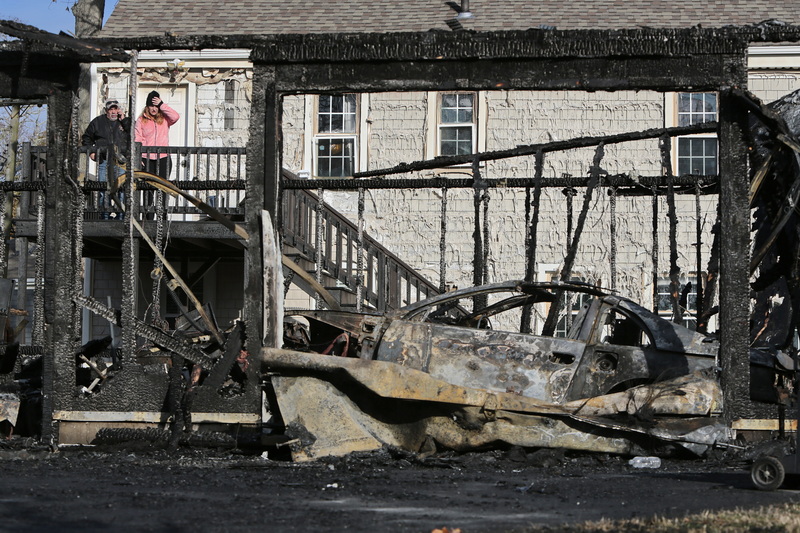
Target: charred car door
{"x":629,"y":346}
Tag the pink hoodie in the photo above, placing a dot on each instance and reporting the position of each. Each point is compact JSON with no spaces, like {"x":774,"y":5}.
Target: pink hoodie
{"x":149,"y":133}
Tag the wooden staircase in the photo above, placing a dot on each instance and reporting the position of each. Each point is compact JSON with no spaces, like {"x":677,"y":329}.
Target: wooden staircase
{"x":386,"y":282}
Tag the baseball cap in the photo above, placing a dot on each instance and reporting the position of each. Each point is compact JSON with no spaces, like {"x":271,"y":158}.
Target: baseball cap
{"x":111,"y":103}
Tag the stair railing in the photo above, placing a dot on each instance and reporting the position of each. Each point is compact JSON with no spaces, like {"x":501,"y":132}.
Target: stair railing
{"x":388,"y":282}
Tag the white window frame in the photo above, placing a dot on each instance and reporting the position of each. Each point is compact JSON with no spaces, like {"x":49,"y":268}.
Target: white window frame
{"x":434,"y":126}
{"x":442,"y":126}
{"x":343,"y":136}
{"x":673,"y":111}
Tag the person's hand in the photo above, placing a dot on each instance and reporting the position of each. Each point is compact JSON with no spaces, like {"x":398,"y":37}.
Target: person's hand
{"x":157,"y":101}
{"x":120,"y":114}
{"x":92,"y":156}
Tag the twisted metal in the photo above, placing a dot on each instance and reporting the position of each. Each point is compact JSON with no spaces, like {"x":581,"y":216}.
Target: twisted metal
{"x":137,"y":327}
{"x":160,"y":242}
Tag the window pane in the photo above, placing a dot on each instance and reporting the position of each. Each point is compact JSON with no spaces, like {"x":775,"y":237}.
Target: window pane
{"x":457,"y":108}
{"x":337,"y":114}
{"x":711,"y":147}
{"x":324,"y":104}
{"x":349,"y":125}
{"x":683,"y":102}
{"x":335,"y":157}
{"x":350,"y":104}
{"x":694,"y":108}
{"x":465,"y":100}
{"x":710,"y":167}
{"x":325,"y":123}
{"x":697,"y":155}
{"x":710,"y":104}
{"x":683,"y":147}
{"x":456,"y":140}
{"x":449,"y":116}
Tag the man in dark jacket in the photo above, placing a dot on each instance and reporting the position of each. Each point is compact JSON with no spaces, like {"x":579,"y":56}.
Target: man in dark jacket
{"x":106,"y":134}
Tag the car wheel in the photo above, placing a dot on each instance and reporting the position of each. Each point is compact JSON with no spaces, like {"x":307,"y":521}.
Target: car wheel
{"x":767,"y":473}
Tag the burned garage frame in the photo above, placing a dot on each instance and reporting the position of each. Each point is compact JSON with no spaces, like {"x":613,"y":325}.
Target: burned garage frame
{"x":659,"y":60}
{"x":693,"y":59}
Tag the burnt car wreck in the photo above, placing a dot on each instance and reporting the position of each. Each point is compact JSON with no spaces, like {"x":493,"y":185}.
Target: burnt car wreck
{"x":623,"y":380}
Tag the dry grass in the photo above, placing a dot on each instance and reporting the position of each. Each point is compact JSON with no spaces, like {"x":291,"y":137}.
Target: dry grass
{"x":774,"y":518}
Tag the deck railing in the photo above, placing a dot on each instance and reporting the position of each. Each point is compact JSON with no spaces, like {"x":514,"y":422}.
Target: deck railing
{"x":217,"y":176}
{"x":214,"y":175}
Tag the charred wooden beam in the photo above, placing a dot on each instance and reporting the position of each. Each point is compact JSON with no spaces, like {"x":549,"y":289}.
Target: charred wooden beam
{"x":734,"y":261}
{"x":629,"y":185}
{"x":532,"y":149}
{"x":84,"y":50}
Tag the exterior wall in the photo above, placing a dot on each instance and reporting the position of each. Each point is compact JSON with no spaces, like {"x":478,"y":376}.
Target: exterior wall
{"x":408,"y":221}
{"x":769,"y":86}
{"x":211,"y":107}
{"x":207,"y":100}
{"x":397,"y":127}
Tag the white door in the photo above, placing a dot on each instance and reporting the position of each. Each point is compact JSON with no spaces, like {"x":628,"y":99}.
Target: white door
{"x":176,"y":96}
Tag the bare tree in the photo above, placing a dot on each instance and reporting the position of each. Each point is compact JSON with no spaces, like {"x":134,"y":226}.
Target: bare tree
{"x":88,"y":17}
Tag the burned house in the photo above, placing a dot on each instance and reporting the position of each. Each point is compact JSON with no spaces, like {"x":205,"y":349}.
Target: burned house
{"x":436,"y":159}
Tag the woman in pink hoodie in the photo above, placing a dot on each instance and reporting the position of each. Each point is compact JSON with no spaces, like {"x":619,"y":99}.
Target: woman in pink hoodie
{"x":152,"y":129}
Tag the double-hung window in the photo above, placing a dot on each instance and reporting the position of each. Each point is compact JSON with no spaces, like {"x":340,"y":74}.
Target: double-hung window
{"x":457,"y":123}
{"x":336,"y":134}
{"x":697,"y":154}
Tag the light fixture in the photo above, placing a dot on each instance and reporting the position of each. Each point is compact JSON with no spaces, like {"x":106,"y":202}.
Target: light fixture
{"x":175,"y":65}
{"x":464,"y":13}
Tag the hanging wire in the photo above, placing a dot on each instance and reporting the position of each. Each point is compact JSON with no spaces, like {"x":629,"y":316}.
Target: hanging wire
{"x":570,"y":193}
{"x":38,"y":287}
{"x":612,"y":192}
{"x":360,"y":253}
{"x":531,"y":225}
{"x":478,"y":269}
{"x":318,"y":259}
{"x":654,"y":256}
{"x":699,"y":291}
{"x":443,"y":244}
{"x":665,"y":143}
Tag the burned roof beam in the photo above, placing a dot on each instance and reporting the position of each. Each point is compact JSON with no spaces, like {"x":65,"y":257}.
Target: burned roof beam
{"x":531,"y":149}
{"x":540,"y":43}
{"x":84,"y":50}
{"x":646,"y":184}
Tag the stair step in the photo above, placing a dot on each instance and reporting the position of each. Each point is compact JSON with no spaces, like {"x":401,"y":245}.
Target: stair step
{"x":341,"y":288}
